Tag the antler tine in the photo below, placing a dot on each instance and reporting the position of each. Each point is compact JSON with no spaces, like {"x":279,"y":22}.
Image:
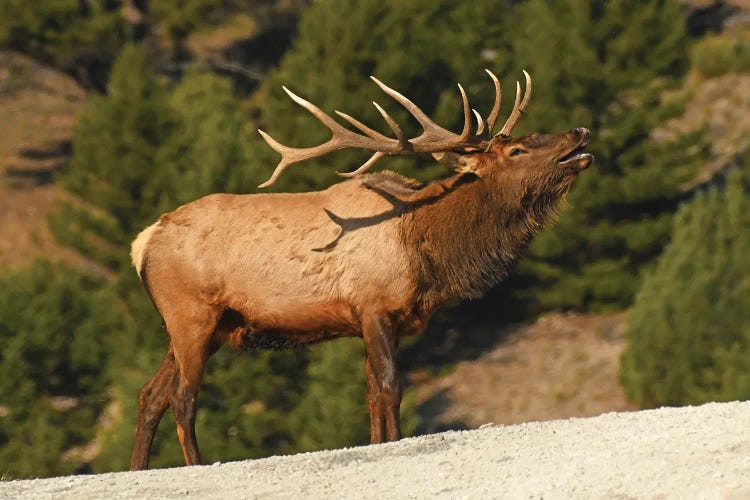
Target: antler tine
{"x":283,"y":164}
{"x":435,"y":130}
{"x":466,"y":132}
{"x":509,"y":122}
{"x":365,"y":166}
{"x":496,"y":106}
{"x":519,"y":107}
{"x":318,"y":113}
{"x":362,"y":127}
{"x":527,"y":95}
{"x":394,"y":126}
{"x":480,"y":122}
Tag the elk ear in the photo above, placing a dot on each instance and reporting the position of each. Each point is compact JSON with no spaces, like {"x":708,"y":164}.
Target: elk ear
{"x":458,"y":162}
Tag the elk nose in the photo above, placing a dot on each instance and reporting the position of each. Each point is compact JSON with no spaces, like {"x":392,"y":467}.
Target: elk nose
{"x":582,"y":133}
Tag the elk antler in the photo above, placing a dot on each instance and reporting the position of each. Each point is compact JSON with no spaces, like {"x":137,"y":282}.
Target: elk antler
{"x":433,"y":139}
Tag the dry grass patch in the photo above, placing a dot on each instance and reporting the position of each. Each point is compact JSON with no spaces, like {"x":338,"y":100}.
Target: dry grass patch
{"x":37,"y":112}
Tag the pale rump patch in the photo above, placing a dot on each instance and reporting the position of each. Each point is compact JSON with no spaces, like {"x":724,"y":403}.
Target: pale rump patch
{"x":138,"y":246}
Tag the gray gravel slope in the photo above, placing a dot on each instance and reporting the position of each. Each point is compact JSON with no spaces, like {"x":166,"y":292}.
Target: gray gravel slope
{"x":694,"y":452}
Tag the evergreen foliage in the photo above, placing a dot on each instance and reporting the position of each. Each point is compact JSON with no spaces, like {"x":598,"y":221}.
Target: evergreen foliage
{"x":144,"y":149}
{"x":116,"y":142}
{"x":332,"y":412}
{"x":63,"y":32}
{"x":688,"y":331}
{"x":180,"y":17}
{"x":211,"y":147}
{"x":52,"y":358}
{"x":606,"y":66}
{"x":717,"y":55}
{"x":82,"y":38}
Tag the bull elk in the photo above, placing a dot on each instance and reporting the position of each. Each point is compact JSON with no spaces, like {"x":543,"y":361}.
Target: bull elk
{"x":373,"y":256}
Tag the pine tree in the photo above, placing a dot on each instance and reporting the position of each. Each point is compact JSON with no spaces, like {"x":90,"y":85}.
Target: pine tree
{"x":332,"y":412}
{"x":52,"y":381}
{"x":146,"y":148}
{"x":113,"y":171}
{"x":211,"y":143}
{"x":78,"y":37}
{"x":606,"y":66}
{"x":687,"y":331}
{"x":730,"y":370}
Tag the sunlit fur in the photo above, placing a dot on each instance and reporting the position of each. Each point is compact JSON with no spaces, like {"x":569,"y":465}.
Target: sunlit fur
{"x":464,"y":243}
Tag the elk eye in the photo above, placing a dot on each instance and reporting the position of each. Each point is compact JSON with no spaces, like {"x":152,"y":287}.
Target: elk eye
{"x":517,"y":151}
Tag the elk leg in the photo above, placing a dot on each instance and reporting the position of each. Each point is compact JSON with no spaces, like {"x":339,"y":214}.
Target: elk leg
{"x":377,"y":415}
{"x":184,"y":399}
{"x":183,"y":404}
{"x":152,"y":404}
{"x":384,"y":389}
{"x":191,"y":326}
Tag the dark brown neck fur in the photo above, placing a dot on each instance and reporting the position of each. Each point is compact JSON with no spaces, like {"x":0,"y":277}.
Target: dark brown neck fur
{"x":464,"y":242}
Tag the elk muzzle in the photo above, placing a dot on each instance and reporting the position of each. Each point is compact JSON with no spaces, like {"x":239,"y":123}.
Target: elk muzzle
{"x":576,"y":160}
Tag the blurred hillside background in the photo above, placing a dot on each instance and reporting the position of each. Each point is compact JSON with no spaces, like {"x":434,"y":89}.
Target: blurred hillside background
{"x":115,"y":111}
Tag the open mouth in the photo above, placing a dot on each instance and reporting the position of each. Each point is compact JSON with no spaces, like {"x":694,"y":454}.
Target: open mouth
{"x":577,"y":159}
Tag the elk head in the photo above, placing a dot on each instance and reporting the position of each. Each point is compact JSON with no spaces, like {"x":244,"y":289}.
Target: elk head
{"x":546,"y":163}
{"x":533,"y":166}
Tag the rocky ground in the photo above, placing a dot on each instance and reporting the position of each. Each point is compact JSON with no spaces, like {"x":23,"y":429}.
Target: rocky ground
{"x":694,"y":452}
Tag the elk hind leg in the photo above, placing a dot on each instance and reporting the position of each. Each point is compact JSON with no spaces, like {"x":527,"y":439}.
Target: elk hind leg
{"x":193,"y":343}
{"x":152,"y":403}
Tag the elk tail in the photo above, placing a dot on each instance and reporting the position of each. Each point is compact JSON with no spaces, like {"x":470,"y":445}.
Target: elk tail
{"x":138,"y":248}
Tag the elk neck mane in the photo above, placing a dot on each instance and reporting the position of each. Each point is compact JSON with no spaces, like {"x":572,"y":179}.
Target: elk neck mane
{"x":464,"y":243}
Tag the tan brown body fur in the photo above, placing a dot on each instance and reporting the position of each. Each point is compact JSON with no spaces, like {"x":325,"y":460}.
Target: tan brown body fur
{"x":275,"y":273}
{"x":278,"y":274}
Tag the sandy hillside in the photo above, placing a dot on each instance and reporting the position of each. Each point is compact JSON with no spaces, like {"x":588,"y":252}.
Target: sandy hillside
{"x":695,"y":452}
{"x":37,"y":111}
{"x":562,"y":365}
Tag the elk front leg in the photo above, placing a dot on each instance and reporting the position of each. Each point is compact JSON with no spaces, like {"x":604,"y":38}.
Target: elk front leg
{"x":383,"y":387}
